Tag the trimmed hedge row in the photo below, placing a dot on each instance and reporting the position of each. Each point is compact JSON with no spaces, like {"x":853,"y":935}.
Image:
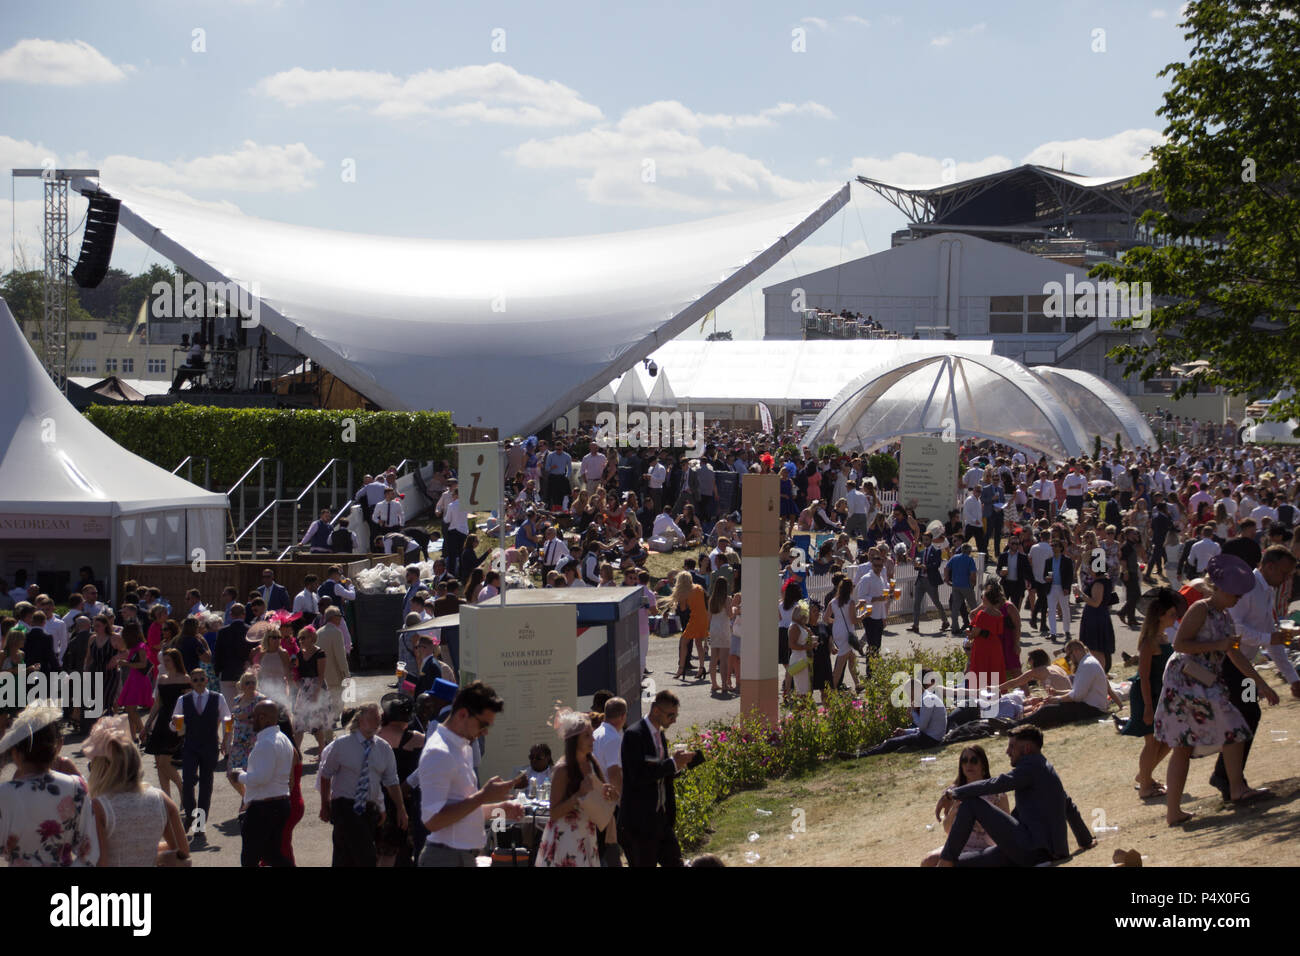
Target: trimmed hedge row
{"x":233,"y":438}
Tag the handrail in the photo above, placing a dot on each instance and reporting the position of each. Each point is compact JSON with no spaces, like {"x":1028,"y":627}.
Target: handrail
{"x":313,"y":487}
{"x":260,"y":467}
{"x":188,"y":464}
{"x":241,"y":478}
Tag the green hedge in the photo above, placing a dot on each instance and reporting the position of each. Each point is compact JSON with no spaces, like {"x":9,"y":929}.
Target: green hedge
{"x":233,"y":438}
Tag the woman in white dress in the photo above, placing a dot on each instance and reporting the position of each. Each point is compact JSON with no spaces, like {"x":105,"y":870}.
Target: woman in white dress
{"x":844,"y":625}
{"x":570,"y":835}
{"x":802,"y":640}
{"x":137,"y":825}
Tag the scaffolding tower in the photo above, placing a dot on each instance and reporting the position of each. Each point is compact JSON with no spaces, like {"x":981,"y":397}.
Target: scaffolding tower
{"x":54,"y":284}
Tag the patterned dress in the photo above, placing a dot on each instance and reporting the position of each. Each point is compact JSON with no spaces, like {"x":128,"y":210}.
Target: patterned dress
{"x":47,"y":821}
{"x":1190,"y":714}
{"x":241,"y":741}
{"x":569,"y":842}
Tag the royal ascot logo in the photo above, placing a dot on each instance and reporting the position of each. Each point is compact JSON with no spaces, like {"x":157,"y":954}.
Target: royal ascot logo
{"x":526,"y":633}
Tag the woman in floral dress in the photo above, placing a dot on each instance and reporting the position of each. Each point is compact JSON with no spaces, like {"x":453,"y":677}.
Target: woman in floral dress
{"x":46,"y":817}
{"x":1195,"y":716}
{"x":241,"y":744}
{"x":570,"y":836}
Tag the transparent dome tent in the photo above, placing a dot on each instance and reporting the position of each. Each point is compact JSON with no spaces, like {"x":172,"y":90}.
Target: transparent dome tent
{"x":1100,"y":407}
{"x":976,"y":396}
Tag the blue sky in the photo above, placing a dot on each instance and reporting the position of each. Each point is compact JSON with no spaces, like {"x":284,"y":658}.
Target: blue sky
{"x":453,"y":138}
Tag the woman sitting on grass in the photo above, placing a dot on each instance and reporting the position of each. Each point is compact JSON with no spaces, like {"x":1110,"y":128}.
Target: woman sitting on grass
{"x":972,"y":765}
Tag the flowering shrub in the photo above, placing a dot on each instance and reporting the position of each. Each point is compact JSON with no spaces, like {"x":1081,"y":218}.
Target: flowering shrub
{"x":743,"y":753}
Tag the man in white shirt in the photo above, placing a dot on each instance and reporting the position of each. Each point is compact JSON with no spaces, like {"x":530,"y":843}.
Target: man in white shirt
{"x":666,"y":528}
{"x":858,"y":505}
{"x":1200,"y":553}
{"x":389,"y":514}
{"x":455,"y":525}
{"x":607,"y":748}
{"x":1075,"y":485}
{"x":1088,"y":697}
{"x":305,"y":601}
{"x":972,"y":516}
{"x":974,"y":475}
{"x":55,"y":627}
{"x":592,"y":468}
{"x":554,"y":551}
{"x":657,"y":475}
{"x":1039,"y":555}
{"x":202,"y":718}
{"x":873,"y":587}
{"x":452,"y":805}
{"x":1043,"y":493}
{"x":266,"y":790}
{"x":1256,"y":617}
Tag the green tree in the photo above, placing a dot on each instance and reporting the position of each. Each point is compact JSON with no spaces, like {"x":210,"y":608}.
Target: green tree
{"x":1229,"y":216}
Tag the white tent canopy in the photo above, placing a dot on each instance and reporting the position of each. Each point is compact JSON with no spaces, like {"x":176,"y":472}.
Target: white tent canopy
{"x":505,"y":333}
{"x":661,"y":393}
{"x":630,"y":391}
{"x":784,"y":372}
{"x":981,"y":396}
{"x":1100,"y":407}
{"x":60,"y":473}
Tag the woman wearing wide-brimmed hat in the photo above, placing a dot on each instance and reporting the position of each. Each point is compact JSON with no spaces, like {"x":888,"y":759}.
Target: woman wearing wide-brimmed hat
{"x":1195,"y":715}
{"x":45,"y":814}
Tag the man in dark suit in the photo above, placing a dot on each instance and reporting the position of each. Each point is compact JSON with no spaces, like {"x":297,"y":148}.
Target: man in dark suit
{"x":1014,"y":572}
{"x":275,"y":595}
{"x":647,"y":814}
{"x":230,"y":656}
{"x":38,"y":647}
{"x":1161,"y":525}
{"x":928,"y":579}
{"x":1031,"y":834}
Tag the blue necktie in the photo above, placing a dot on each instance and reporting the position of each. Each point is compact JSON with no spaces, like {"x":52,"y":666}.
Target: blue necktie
{"x":363,"y":781}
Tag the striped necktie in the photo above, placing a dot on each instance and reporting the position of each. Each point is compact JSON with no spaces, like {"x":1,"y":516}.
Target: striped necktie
{"x":361,"y":799}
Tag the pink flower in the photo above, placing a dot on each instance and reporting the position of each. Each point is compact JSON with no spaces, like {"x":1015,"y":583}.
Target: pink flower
{"x":49,"y":828}
{"x":722,"y":737}
{"x":67,"y":809}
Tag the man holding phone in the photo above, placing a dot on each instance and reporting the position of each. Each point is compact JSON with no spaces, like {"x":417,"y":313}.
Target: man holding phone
{"x":647,"y":815}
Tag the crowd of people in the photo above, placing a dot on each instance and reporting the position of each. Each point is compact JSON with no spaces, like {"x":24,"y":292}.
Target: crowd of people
{"x":1200,"y":537}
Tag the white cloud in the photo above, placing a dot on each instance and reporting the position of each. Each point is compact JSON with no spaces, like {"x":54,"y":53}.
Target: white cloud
{"x":488,"y":93}
{"x":946,"y":39}
{"x":818,"y":22}
{"x":56,"y":63}
{"x":1122,"y":154}
{"x":250,"y":168}
{"x":662,"y":138}
{"x":853,"y":18}
{"x":1158,"y":14}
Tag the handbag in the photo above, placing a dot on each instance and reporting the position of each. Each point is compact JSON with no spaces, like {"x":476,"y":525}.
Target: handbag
{"x":1201,"y":673}
{"x":798,"y":667}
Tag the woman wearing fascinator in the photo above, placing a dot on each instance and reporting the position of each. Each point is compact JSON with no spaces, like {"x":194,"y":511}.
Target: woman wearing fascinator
{"x":137,"y":825}
{"x":581,"y":800}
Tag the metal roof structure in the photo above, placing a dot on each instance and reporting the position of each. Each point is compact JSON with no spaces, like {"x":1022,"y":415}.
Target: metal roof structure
{"x":1028,"y":201}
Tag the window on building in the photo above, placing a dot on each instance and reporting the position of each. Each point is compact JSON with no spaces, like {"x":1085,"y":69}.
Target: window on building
{"x":1006,"y":314}
{"x":128,"y":365}
{"x":110,"y":365}
{"x":157,"y":366}
{"x":83,"y":366}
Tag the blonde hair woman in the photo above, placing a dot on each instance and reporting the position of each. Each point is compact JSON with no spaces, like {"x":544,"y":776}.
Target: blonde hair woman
{"x":689,"y":596}
{"x":802,"y":642}
{"x":131,"y":818}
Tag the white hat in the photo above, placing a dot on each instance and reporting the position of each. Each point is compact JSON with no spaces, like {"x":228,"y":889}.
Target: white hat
{"x":36,"y":717}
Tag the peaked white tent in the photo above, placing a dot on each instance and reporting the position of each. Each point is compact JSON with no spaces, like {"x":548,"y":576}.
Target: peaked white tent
{"x":505,"y":333}
{"x":661,"y":393}
{"x":630,"y":391}
{"x":64,"y":482}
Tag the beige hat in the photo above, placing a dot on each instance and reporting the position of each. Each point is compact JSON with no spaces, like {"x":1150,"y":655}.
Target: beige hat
{"x":36,"y":717}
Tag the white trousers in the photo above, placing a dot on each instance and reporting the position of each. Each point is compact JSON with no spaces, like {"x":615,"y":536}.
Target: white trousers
{"x":1057,"y":599}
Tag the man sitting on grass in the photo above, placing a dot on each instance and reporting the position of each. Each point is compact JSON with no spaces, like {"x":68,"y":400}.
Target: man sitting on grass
{"x":1088,"y":697}
{"x":1031,"y":834}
